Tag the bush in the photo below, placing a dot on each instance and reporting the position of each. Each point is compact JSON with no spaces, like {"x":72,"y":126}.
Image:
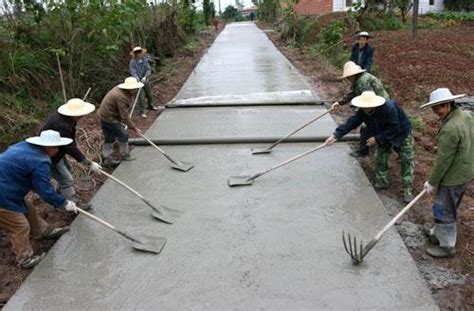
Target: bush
{"x":454,"y":16}
{"x":382,"y":22}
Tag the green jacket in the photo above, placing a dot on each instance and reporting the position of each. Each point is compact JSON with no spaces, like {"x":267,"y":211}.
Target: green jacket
{"x":455,"y":157}
{"x":364,"y":82}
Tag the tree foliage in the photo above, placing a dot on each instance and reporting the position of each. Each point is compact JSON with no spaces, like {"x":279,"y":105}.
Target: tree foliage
{"x":231,"y":13}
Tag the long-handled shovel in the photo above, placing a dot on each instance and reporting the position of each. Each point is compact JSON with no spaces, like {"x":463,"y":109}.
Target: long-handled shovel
{"x":158,"y":213}
{"x":269,"y":149}
{"x":135,"y":102}
{"x":144,"y":243}
{"x":176,"y":164}
{"x":246,"y":180}
{"x":358,"y":252}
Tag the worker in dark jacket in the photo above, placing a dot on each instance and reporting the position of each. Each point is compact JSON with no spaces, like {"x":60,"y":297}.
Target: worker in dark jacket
{"x":140,"y":69}
{"x":387,"y":128}
{"x":114,"y":118}
{"x":360,"y":81}
{"x":64,"y":121}
{"x":453,"y":169}
{"x":362,"y":53}
{"x":26,"y":166}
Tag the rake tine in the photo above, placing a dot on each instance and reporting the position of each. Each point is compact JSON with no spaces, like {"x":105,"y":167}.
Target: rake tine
{"x":355,"y":250}
{"x":345,"y":243}
{"x":350,"y":245}
{"x":361,"y":250}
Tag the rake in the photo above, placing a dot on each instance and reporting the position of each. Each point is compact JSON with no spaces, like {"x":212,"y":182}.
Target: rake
{"x":270,"y":148}
{"x":246,"y":180}
{"x":358,"y":252}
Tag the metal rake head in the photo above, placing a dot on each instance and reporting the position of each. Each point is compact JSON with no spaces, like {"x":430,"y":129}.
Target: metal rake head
{"x":351,"y":247}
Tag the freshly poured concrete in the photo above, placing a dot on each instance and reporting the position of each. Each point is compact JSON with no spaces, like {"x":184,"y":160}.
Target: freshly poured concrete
{"x":242,"y":61}
{"x":234,"y":123}
{"x":275,"y":245}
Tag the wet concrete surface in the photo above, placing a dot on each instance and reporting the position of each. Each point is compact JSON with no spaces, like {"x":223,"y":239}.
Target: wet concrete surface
{"x":274,"y":245}
{"x":240,"y":123}
{"x":242,"y":61}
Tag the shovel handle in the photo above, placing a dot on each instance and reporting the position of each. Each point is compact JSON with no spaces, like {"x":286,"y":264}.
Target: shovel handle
{"x":103,"y":222}
{"x":135,"y":102}
{"x":299,"y":129}
{"x":158,"y":148}
{"x":399,"y":215}
{"x":287,"y":161}
{"x":87,"y":93}
{"x":122,"y":184}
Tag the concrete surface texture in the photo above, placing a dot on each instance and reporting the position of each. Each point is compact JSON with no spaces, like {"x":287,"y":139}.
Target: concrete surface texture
{"x":275,"y":245}
{"x":242,"y":61}
{"x":240,"y":123}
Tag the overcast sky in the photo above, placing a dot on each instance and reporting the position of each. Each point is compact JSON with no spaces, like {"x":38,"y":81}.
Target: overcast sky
{"x":225,"y":3}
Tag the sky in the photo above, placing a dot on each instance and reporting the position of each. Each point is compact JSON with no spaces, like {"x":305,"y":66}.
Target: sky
{"x":225,"y":3}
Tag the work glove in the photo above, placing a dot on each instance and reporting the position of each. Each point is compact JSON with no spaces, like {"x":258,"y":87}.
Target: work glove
{"x":70,"y":206}
{"x":428,"y":187}
{"x":143,"y":80}
{"x":331,"y":140}
{"x":335,"y":106}
{"x":95,"y":167}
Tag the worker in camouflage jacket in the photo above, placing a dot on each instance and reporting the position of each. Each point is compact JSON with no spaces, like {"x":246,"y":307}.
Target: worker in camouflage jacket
{"x":361,"y":81}
{"x":452,"y":171}
{"x":388,"y":128}
{"x":140,"y":69}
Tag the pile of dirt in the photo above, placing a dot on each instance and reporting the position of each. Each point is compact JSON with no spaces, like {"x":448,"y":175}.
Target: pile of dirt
{"x":411,"y":69}
{"x":166,"y":83}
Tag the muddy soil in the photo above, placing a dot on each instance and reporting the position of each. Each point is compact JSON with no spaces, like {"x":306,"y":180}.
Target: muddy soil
{"x":167,"y":81}
{"x":411,"y":69}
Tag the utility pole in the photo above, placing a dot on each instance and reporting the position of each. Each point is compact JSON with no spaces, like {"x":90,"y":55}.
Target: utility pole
{"x":220,"y":11}
{"x":415,"y":17}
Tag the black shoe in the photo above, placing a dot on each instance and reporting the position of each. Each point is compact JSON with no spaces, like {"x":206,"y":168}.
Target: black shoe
{"x":358,"y":154}
{"x":32,"y":261}
{"x":153,"y":108}
{"x":128,"y":157}
{"x":110,"y":162}
{"x":56,"y":233}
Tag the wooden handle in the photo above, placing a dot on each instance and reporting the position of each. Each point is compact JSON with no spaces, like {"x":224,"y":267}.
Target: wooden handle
{"x":135,"y":102}
{"x":103,"y":222}
{"x":122,"y":184}
{"x":158,"y":148}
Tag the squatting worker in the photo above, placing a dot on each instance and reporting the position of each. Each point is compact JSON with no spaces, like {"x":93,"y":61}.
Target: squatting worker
{"x":114,"y":115}
{"x":452,"y":171}
{"x":26,"y":166}
{"x":362,"y":53}
{"x":361,"y":81}
{"x":387,"y":128}
{"x":64,"y":121}
{"x":140,"y":69}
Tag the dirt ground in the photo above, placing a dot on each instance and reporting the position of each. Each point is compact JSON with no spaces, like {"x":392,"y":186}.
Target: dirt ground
{"x":167,"y":81}
{"x":411,"y":69}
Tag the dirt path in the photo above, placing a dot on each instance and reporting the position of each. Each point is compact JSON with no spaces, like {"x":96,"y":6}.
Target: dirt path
{"x":440,"y":58}
{"x":167,"y":81}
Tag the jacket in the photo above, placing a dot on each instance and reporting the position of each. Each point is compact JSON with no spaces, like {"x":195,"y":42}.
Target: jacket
{"x":366,"y":57}
{"x":140,"y":68}
{"x":25,"y":167}
{"x":115,"y":107}
{"x":364,"y":82}
{"x":454,"y":163}
{"x":388,"y":125}
{"x":66,"y":126}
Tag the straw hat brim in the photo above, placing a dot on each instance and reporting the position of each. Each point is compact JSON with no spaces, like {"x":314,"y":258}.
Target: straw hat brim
{"x":143,"y":51}
{"x":375,"y":102}
{"x":442,"y":101}
{"x":353,"y":74}
{"x":124,"y":86}
{"x":39,"y":142}
{"x":66,"y":110}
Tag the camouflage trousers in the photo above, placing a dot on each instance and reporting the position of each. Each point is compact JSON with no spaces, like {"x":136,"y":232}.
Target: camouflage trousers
{"x":407,"y":155}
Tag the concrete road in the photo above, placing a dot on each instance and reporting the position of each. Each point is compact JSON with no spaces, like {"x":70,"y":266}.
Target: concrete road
{"x":275,"y":245}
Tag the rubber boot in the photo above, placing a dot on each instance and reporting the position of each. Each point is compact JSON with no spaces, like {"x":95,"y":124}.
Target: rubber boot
{"x":441,"y":252}
{"x":124,"y":153}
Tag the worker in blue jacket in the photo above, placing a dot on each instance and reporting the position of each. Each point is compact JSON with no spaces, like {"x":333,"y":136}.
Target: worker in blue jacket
{"x":24,"y":167}
{"x":362,"y":53}
{"x":388,"y":128}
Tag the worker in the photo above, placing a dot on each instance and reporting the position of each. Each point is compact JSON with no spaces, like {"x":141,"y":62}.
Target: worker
{"x":140,"y":69}
{"x":26,"y":166}
{"x":114,"y":116}
{"x":362,"y":53}
{"x":360,"y":81}
{"x":453,"y":169}
{"x":64,"y":121}
{"x":387,"y":128}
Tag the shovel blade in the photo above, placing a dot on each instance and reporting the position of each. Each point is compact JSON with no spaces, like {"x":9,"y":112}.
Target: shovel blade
{"x":261,"y":151}
{"x":235,"y":181}
{"x":164,"y":214}
{"x":150,"y":244}
{"x":182,"y":166}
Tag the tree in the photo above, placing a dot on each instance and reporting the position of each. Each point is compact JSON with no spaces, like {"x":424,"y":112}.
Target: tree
{"x":230,"y":14}
{"x":207,"y":11}
{"x":404,"y":6}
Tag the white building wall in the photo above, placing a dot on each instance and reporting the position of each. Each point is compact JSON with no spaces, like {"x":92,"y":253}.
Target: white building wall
{"x":425,"y":7}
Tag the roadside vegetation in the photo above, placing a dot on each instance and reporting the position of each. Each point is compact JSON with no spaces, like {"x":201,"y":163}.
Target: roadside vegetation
{"x":92,"y":40}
